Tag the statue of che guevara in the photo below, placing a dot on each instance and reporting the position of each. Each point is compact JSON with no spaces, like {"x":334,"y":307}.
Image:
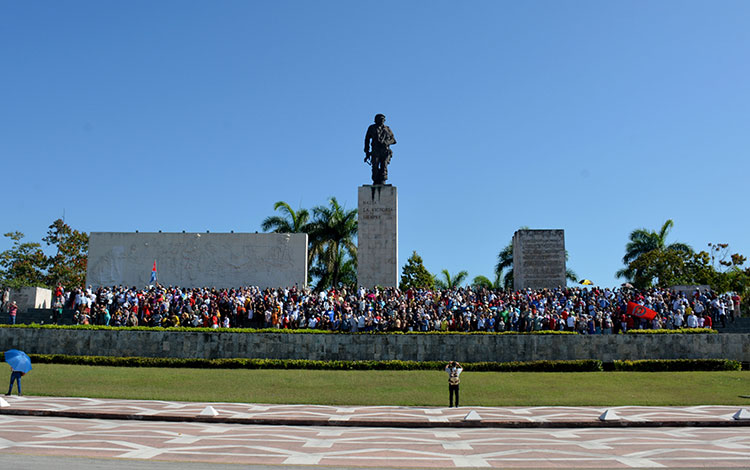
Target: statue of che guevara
{"x":379,"y":157}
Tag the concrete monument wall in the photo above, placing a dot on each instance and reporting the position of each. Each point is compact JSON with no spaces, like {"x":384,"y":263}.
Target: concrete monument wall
{"x":377,"y":250}
{"x":538,"y":259}
{"x":463,"y":348}
{"x":31,"y":297}
{"x":690,"y":289}
{"x":198,"y":259}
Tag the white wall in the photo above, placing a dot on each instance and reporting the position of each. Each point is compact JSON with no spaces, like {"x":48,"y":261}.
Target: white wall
{"x":31,"y":297}
{"x":197,"y":259}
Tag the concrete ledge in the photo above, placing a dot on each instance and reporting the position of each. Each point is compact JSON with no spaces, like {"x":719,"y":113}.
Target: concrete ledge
{"x":391,"y":417}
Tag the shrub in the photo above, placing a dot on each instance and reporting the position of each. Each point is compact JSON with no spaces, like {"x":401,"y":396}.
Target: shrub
{"x":278,"y":331}
{"x":241,"y":363}
{"x":690,"y":331}
{"x":675,"y":365}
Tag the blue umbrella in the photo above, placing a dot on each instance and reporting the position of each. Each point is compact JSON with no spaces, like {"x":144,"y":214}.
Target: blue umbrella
{"x":18,"y":360}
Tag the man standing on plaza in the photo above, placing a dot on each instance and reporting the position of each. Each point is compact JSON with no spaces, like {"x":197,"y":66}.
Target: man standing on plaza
{"x":453,"y":369}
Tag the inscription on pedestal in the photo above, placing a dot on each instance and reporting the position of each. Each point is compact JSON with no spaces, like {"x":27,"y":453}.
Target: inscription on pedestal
{"x":377,"y":238}
{"x":538,"y":259}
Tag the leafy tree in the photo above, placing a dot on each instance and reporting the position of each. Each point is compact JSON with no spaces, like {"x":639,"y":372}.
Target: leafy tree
{"x":24,"y":264}
{"x":718,"y":269}
{"x":291,"y":222}
{"x":728,"y":274}
{"x":721,"y":260}
{"x":450,"y":282}
{"x":415,"y":276}
{"x":660,"y":267}
{"x":484,"y":281}
{"x":642,"y":242}
{"x":68,"y":265}
{"x":332,"y":246}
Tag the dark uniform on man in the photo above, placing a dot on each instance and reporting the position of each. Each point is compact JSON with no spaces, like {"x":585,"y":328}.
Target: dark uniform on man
{"x":381,"y":138}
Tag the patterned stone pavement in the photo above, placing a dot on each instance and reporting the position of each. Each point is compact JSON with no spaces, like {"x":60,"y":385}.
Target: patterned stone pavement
{"x":439,"y":447}
{"x":374,"y":436}
{"x":389,"y":416}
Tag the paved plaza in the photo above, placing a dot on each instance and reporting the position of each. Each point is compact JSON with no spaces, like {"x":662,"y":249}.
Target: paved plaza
{"x":392,"y":437}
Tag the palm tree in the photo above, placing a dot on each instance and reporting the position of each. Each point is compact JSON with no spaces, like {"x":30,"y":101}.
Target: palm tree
{"x":450,"y":282}
{"x":346,"y":268}
{"x":332,"y":233}
{"x":504,"y":267}
{"x":291,"y":222}
{"x":644,"y":241}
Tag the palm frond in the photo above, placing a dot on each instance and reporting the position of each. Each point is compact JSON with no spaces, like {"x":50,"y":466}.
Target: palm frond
{"x":664,"y":231}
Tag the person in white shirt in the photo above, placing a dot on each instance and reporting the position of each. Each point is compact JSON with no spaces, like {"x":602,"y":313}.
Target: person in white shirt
{"x":571,"y":322}
{"x":677,"y":319}
{"x":453,"y":369}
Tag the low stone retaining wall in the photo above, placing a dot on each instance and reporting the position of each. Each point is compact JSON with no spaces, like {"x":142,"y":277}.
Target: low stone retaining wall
{"x":468,"y":348}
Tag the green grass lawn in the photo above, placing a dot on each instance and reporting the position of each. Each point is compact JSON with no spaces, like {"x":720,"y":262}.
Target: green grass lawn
{"x":414,"y":388}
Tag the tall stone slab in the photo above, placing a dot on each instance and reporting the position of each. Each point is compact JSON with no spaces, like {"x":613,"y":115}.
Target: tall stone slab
{"x":377,"y":250}
{"x":538,"y":259}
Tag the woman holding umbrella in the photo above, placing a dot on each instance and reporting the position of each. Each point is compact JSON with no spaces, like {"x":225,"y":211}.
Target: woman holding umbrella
{"x":20,"y":364}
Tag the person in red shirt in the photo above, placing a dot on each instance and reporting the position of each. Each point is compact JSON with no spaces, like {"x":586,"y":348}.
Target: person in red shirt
{"x":13,"y":311}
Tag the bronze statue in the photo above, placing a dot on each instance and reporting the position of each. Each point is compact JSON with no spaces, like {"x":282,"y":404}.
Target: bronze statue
{"x":380,"y":155}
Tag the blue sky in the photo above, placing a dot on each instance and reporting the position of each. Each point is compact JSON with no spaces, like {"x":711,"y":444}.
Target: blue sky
{"x":594,"y":117}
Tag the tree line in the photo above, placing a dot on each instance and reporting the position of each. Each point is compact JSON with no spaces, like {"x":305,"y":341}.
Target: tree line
{"x":26,"y":263}
{"x":650,"y":261}
{"x":332,"y":257}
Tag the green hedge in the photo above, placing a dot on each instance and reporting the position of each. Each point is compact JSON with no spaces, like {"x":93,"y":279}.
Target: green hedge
{"x":690,"y":331}
{"x":278,"y":331}
{"x":586,"y":365}
{"x":650,"y":365}
{"x":677,"y":365}
{"x":239,"y":363}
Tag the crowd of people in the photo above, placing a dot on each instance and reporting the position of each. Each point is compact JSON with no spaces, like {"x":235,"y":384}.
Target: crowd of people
{"x":581,"y":310}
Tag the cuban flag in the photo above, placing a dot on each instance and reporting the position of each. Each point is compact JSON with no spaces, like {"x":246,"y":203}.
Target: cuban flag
{"x":153,"y":274}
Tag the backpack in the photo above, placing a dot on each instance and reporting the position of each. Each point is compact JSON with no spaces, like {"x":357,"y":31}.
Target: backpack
{"x":453,"y":378}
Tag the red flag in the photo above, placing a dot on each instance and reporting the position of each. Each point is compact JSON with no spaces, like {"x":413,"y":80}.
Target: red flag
{"x":640,"y":311}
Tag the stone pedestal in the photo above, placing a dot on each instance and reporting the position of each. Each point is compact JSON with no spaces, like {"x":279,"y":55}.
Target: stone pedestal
{"x":538,"y":259}
{"x":377,"y":250}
